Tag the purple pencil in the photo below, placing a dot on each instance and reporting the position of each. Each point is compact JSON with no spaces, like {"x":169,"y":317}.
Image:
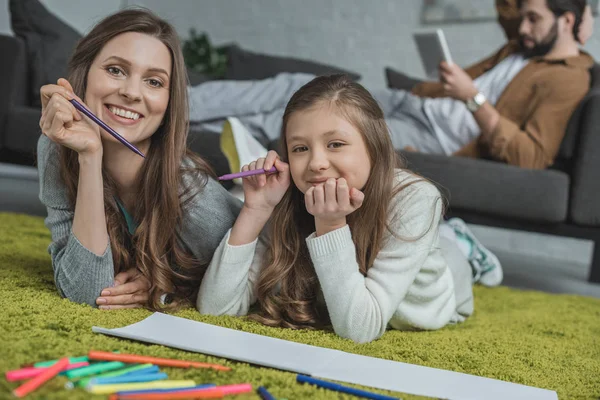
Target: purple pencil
{"x":107,"y":128}
{"x":247,"y":173}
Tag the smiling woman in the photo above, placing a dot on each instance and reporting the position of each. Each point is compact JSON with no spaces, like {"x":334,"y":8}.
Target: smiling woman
{"x":127,"y":231}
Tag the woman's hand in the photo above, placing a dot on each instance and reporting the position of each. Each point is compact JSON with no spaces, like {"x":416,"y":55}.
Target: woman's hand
{"x":130,"y":291}
{"x":331,"y":202}
{"x":62,"y":123}
{"x":264,"y":191}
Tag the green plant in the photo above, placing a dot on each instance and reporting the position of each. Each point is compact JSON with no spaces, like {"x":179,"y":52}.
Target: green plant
{"x":201,"y":56}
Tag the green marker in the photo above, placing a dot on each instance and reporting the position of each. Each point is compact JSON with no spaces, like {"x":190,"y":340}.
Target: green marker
{"x":72,"y":360}
{"x":94,"y":369}
{"x":84,"y":382}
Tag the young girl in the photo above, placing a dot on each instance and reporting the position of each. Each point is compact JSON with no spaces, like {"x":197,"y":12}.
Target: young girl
{"x":353,"y":240}
{"x":156,"y":221}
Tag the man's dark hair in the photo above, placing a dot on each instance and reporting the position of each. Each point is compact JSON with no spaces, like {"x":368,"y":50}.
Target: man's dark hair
{"x":560,"y":7}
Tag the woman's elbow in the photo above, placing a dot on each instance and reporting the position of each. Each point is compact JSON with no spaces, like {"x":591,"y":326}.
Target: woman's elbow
{"x":78,"y":297}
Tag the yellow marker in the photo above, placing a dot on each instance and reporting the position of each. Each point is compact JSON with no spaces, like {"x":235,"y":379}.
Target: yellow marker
{"x":121,"y":387}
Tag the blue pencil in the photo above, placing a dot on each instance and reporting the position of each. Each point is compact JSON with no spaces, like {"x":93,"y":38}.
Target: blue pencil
{"x":129,"y":378}
{"x":342,"y":389}
{"x":165,"y":391}
{"x":264,"y":393}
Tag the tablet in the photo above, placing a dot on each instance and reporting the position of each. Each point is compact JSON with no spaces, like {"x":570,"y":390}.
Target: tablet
{"x":433,"y":49}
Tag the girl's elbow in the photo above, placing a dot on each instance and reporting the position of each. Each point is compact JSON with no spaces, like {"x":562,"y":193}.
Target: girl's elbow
{"x":206,"y":308}
{"x":358,"y":334}
{"x":217,"y":310}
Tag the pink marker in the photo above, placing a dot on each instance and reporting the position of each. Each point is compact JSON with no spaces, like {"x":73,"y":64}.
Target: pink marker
{"x":235,"y":389}
{"x":28,"y":373}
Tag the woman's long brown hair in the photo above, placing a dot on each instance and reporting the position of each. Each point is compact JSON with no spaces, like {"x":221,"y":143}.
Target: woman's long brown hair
{"x":154,"y":248}
{"x":288,"y":286}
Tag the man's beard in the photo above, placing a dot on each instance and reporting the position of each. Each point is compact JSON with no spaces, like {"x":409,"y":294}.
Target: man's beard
{"x":544,"y":46}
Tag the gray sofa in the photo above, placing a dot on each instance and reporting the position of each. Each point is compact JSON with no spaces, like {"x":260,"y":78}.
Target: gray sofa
{"x":562,"y":200}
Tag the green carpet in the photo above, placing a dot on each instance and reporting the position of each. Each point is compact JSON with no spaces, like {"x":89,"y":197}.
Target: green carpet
{"x":537,"y":339}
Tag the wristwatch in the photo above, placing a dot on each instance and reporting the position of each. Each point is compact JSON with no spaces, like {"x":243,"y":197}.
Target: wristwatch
{"x":474,"y":103}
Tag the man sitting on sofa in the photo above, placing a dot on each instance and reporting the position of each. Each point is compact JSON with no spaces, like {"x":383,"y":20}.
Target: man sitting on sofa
{"x":512,"y":107}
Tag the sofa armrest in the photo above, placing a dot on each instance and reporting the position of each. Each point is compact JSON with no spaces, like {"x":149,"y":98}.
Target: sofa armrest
{"x":493,"y":188}
{"x":585,"y":192}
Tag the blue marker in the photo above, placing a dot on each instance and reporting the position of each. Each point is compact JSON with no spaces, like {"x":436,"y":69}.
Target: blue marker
{"x":342,"y":389}
{"x":164,"y":391}
{"x":264,"y":393}
{"x":129,"y":378}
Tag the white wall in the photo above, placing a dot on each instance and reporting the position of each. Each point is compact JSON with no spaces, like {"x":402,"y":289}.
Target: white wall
{"x":359,"y":35}
{"x":81,"y":15}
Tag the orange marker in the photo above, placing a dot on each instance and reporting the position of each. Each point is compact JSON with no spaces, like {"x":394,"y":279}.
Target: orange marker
{"x":42,"y":378}
{"x":164,"y":362}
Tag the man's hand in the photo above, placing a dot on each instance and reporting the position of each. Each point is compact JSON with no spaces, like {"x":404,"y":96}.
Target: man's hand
{"x":457,"y":84}
{"x":130,"y":291}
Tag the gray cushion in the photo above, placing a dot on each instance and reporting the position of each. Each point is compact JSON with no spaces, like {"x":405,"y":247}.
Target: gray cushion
{"x":246,"y":65}
{"x":497,"y":189}
{"x":49,"y":41}
{"x":398,"y":80}
{"x":13,"y":72}
{"x":197,"y":78}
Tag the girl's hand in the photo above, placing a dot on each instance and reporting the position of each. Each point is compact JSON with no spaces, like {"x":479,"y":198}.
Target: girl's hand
{"x":264,"y":191}
{"x":130,"y":291}
{"x":63,"y":123}
{"x":331,"y":202}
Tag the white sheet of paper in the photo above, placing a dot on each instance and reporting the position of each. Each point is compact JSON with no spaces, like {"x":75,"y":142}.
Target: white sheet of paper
{"x":320,"y":362}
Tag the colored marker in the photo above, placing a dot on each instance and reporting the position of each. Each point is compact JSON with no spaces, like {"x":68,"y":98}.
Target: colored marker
{"x":94,"y":369}
{"x":107,"y":128}
{"x":342,"y":389}
{"x":208,"y":393}
{"x":164,"y":391}
{"x":244,"y":174}
{"x":163,"y":362}
{"x":136,"y":369}
{"x":264,"y":393}
{"x":119,"y":387}
{"x":42,"y":378}
{"x":50,"y":363}
{"x":32,"y":372}
{"x":128,"y":378}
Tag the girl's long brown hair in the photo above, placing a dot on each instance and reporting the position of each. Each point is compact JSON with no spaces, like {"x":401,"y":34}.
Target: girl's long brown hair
{"x":288,"y":286}
{"x":154,"y":248}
